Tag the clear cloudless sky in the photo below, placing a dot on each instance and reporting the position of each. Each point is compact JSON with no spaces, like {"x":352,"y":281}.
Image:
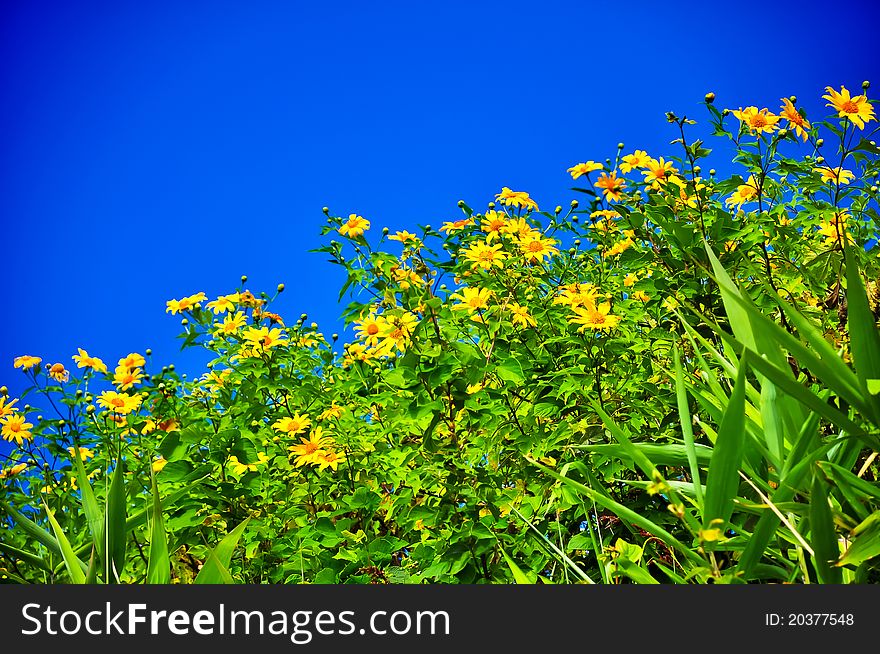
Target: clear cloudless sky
{"x":155,"y":149}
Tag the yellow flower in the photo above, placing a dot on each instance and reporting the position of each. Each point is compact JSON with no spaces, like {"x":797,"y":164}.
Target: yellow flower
{"x":744,"y":193}
{"x":239,"y":468}
{"x":620,"y":247}
{"x":669,"y":303}
{"x":58,"y":372}
{"x":15,"y":428}
{"x":83,"y":360}
{"x":630,"y":279}
{"x":26,"y":362}
{"x":757,"y":120}
{"x":638,"y":159}
{"x":84,"y":453}
{"x":355,"y":352}
{"x":14,"y":470}
{"x":124,"y":378}
{"x":232,"y":322}
{"x":537,"y":248}
{"x":641,"y":296}
{"x":583,"y":168}
{"x":263,"y":338}
{"x":834,"y":229}
{"x":403,"y":237}
{"x":795,"y":120}
{"x":133,"y":360}
{"x":485,"y":256}
{"x":328,"y":458}
{"x":407,"y":278}
{"x":224,"y":303}
{"x":598,"y":317}
{"x":857,"y":108}
{"x":471,"y":299}
{"x":493,"y":224}
{"x":159,"y":463}
{"x":6,"y":407}
{"x":578,"y":295}
{"x":354,"y":226}
{"x":521,"y":315}
{"x":119,"y":403}
{"x":519,"y":228}
{"x":397,"y":332}
{"x":516,"y":199}
{"x":184,"y":304}
{"x":334,"y":412}
{"x":657,"y":171}
{"x":307,"y":449}
{"x":292,"y":426}
{"x":370,"y":328}
{"x":838,"y":175}
{"x":611,"y":185}
{"x":454,"y":226}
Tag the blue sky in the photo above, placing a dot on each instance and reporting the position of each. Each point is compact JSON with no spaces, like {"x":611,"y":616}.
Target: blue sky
{"x":153,"y":150}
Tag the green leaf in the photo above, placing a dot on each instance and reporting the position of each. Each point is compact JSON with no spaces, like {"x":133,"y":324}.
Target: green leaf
{"x":822,"y":534}
{"x":866,"y":544}
{"x":722,"y":480}
{"x":687,"y":428}
{"x":159,"y":565}
{"x":94,"y":514}
{"x":28,"y":557}
{"x":75,"y":567}
{"x":519,"y":576}
{"x":116,"y":532}
{"x":863,"y":334}
{"x":216,"y":568}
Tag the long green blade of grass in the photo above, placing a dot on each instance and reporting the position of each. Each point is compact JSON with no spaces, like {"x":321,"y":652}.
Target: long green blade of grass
{"x":94,"y":514}
{"x":687,"y":429}
{"x":75,"y":567}
{"x":822,"y":534}
{"x":116,"y":534}
{"x":863,"y":334}
{"x":216,"y":567}
{"x":159,"y":565}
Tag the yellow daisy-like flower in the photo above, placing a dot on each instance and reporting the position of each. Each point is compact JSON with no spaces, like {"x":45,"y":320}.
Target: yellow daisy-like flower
{"x":493,"y":224}
{"x":355,"y":226}
{"x":471,"y":299}
{"x":521,"y":315}
{"x":669,"y":303}
{"x":224,"y":303}
{"x":638,"y":159}
{"x":519,"y":199}
{"x":15,"y":428}
{"x":596,"y":317}
{"x":583,"y":168}
{"x":328,"y":459}
{"x":537,"y":248}
{"x":133,"y":360}
{"x":455,"y":225}
{"x":58,"y":372}
{"x":84,"y":453}
{"x":641,"y":296}
{"x":119,"y":403}
{"x":485,"y":256}
{"x":159,"y":463}
{"x":397,"y":332}
{"x":334,"y":412}
{"x":263,"y":338}
{"x":292,"y":426}
{"x":184,"y":304}
{"x":124,"y":378}
{"x":657,"y":171}
{"x":26,"y":362}
{"x":795,"y":120}
{"x":6,"y":406}
{"x":407,"y":278}
{"x":307,"y":449}
{"x":577,"y":295}
{"x":758,"y":121}
{"x":744,"y":193}
{"x":370,"y":329}
{"x":835,"y":175}
{"x":14,"y":470}
{"x":856,"y":108}
{"x":83,"y":360}
{"x":239,"y":468}
{"x":620,"y":247}
{"x":835,"y":230}
{"x":519,"y":228}
{"x":403,"y":237}
{"x":232,"y":322}
{"x":611,"y":185}
{"x":630,"y":279}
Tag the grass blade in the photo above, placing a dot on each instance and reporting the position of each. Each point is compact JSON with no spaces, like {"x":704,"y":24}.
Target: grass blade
{"x":159,"y":565}
{"x":75,"y":567}
{"x":687,"y":429}
{"x":216,"y":568}
{"x":822,"y":534}
{"x":116,"y":534}
{"x":519,"y":576}
{"x":94,"y":514}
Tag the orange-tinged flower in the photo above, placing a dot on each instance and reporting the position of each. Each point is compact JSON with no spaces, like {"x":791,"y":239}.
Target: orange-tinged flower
{"x":239,"y":468}
{"x":537,"y":248}
{"x":620,"y":247}
{"x":856,"y":108}
{"x":232,"y":322}
{"x":519,"y":228}
{"x":133,"y":360}
{"x":6,"y":406}
{"x":658,"y":171}
{"x":26,"y":362}
{"x":263,"y":338}
{"x":454,"y":226}
{"x":630,"y":279}
{"x":58,"y":372}
{"x":334,"y":412}
{"x":485,"y":256}
{"x":578,"y":295}
{"x":638,"y":159}
{"x":124,"y":378}
{"x":329,"y":459}
{"x":835,"y":230}
{"x":119,"y":403}
{"x":744,"y":193}
{"x":835,"y":175}
{"x":641,"y":296}
{"x":516,"y":199}
{"x":15,"y":428}
{"x":583,"y":168}
{"x":159,"y":463}
{"x":307,"y":449}
{"x":521,"y":315}
{"x":14,"y":470}
{"x":355,"y":226}
{"x":83,"y":360}
{"x":403,"y":237}
{"x":224,"y":303}
{"x":370,"y":329}
{"x":397,"y":332}
{"x":293,"y":425}
{"x":471,"y":299}
{"x":598,"y":317}
{"x":795,"y":120}
{"x":611,"y":185}
{"x":184,"y":304}
{"x":407,"y":278}
{"x":757,"y":120}
{"x":84,"y":453}
{"x":493,"y":224}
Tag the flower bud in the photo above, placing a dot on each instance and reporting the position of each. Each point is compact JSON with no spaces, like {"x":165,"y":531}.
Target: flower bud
{"x":4,"y":391}
{"x":557,"y":210}
{"x":326,"y":210}
{"x":335,"y":337}
{"x":184,"y":322}
{"x":820,"y":160}
{"x":79,"y":392}
{"x":575,"y":219}
{"x":710,"y":98}
{"x":90,"y":409}
{"x":164,"y":369}
{"x":491,"y":205}
{"x":697,"y":170}
{"x":461,"y":204}
{"x":303,"y":317}
{"x":577,"y":242}
{"x":427,"y":228}
{"x":574,"y":204}
{"x":712,"y":171}
{"x":62,"y":423}
{"x":874,"y":189}
{"x":280,"y":288}
{"x":89,"y":397}
{"x":620,"y":146}
{"x":725,"y":112}
{"x":243,"y":279}
{"x":572,"y":251}
{"x":27,"y":407}
{"x":385,"y":231}
{"x":820,"y":143}
{"x":792,"y":98}
{"x":866,"y":85}
{"x":148,"y":352}
{"x":171,"y":368}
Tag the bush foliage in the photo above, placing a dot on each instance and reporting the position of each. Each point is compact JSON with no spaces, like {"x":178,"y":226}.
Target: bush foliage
{"x":674,"y":380}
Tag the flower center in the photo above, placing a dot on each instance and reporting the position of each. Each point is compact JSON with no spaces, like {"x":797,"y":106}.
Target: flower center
{"x":14,"y":427}
{"x":57,"y":368}
{"x":372,"y":329}
{"x":495,"y":225}
{"x":850,"y":107}
{"x":117,"y":402}
{"x":759,"y":121}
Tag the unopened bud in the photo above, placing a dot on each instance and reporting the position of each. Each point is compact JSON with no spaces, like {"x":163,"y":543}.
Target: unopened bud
{"x":90,"y":409}
{"x":820,"y":143}
{"x":574,"y":204}
{"x":710,"y":98}
{"x":280,"y":288}
{"x":243,"y":279}
{"x":461,"y":204}
{"x":725,"y":112}
{"x":79,"y":392}
{"x":335,"y":337}
{"x":385,"y":231}
{"x":866,"y":85}
{"x":149,"y":352}
{"x":184,"y":322}
{"x":326,"y":210}
{"x":4,"y":391}
{"x":792,"y":98}
{"x":620,"y":146}
{"x":171,"y":368}
{"x":577,"y":242}
{"x":820,"y":160}
{"x":62,"y":423}
{"x":711,"y":171}
{"x":304,"y":316}
{"x":557,"y":210}
{"x":874,"y":189}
